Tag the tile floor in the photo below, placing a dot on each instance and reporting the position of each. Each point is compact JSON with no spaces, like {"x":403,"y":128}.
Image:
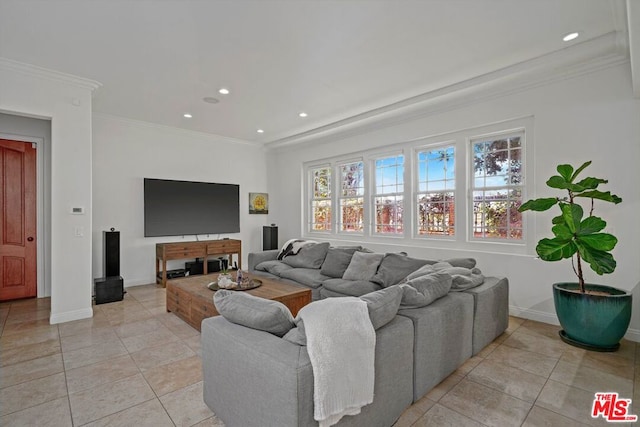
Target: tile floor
{"x":135,"y":364}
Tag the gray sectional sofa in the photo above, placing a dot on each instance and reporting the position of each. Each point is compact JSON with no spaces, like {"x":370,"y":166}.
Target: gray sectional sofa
{"x":256,"y":378}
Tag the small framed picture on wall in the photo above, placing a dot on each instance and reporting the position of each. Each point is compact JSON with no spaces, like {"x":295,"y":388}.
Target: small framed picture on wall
{"x":258,"y":203}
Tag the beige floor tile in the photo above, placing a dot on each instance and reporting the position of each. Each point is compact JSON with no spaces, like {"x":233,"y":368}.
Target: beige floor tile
{"x":443,"y":388}
{"x":55,"y":413}
{"x":94,"y":336}
{"x":468,"y":366}
{"x":147,"y":414}
{"x":130,"y":316}
{"x":175,"y":375}
{"x":539,"y":329}
{"x":440,"y":416}
{"x":183,"y":330}
{"x":17,"y":316}
{"x":611,"y":363}
{"x":528,"y":361}
{"x":540,"y":417}
{"x":31,"y":393}
{"x":485,"y":405}
{"x":414,"y":412}
{"x":28,"y":327}
{"x":160,"y":355}
{"x":589,"y":379}
{"x":106,"y":399}
{"x":512,"y":381}
{"x":110,"y":370}
{"x":137,"y":328}
{"x":537,"y":344}
{"x":98,"y":321}
{"x":39,"y":335}
{"x":28,"y":352}
{"x":194,"y":344}
{"x":210,"y":422}
{"x":485,"y":352}
{"x":571,"y":402}
{"x":93,"y":354}
{"x":31,"y":370}
{"x":185,"y":406}
{"x":160,"y":336}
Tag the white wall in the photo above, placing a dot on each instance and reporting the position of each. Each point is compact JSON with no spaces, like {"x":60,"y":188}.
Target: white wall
{"x":126,"y":151}
{"x":66,"y":100}
{"x":589,"y":117}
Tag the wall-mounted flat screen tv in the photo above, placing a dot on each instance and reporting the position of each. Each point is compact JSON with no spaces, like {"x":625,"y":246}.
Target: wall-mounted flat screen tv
{"x":178,"y":208}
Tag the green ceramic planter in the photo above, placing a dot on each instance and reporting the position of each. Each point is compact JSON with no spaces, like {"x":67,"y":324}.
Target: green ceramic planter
{"x":593,"y":322}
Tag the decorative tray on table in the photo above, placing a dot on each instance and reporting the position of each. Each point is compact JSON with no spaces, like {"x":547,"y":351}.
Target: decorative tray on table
{"x":251,"y":284}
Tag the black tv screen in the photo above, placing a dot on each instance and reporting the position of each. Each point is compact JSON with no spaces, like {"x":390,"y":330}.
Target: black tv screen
{"x":178,"y":208}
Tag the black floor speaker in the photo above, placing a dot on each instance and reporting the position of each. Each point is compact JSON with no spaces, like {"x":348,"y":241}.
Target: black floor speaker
{"x":269,"y":237}
{"x":111,"y":253}
{"x":109,"y":289}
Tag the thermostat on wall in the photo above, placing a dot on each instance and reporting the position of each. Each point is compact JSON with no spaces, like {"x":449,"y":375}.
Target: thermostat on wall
{"x":77,"y":210}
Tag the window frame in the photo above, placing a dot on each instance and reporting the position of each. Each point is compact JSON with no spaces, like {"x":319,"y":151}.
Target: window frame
{"x":339,"y":196}
{"x":310,"y":199}
{"x":373,"y":193}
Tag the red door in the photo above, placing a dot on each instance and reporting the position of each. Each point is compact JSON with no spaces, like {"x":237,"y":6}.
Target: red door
{"x":17,"y":220}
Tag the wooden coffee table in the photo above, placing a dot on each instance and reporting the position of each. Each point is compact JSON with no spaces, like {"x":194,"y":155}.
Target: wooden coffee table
{"x":191,"y":300}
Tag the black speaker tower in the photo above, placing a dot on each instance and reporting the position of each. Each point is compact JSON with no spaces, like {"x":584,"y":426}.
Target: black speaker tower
{"x":269,"y":237}
{"x":111,"y":287}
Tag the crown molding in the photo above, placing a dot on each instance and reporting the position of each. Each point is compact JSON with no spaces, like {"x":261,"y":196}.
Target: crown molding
{"x":578,"y":59}
{"x":45,"y":73}
{"x":177,"y":130}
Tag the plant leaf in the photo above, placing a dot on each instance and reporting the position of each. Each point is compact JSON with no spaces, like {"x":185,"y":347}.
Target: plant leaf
{"x":538,"y":204}
{"x":600,"y":261}
{"x":572,"y":215}
{"x":562,"y":184}
{"x":591,"y":183}
{"x":601,"y":195}
{"x":598,"y":241}
{"x":565,"y":172}
{"x":562,"y":232}
{"x":558,"y":220}
{"x":580,"y":169}
{"x":591,"y":224}
{"x":555,"y":249}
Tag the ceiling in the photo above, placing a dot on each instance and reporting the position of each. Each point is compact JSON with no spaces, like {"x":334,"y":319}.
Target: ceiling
{"x":335,"y":60}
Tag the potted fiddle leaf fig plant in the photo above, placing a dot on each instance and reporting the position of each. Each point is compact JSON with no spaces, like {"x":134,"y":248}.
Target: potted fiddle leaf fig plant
{"x":593,"y":316}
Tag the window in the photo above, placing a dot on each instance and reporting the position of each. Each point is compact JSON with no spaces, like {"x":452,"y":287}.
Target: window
{"x":436,"y":191}
{"x":497,"y":185}
{"x":388,"y":195}
{"x":351,"y":197}
{"x":321,"y":199}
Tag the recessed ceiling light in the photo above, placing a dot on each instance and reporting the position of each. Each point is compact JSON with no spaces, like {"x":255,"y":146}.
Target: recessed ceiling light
{"x":303,"y":114}
{"x":224,"y":91}
{"x":570,"y":36}
{"x":260,"y":131}
{"x":187,"y":115}
{"x":210,"y":100}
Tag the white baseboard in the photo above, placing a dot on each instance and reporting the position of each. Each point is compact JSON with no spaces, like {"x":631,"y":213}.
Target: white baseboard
{"x":69,"y":316}
{"x":552,"y":319}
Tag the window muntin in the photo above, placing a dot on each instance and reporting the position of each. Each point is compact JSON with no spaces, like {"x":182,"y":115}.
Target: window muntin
{"x":496,"y":187}
{"x":321,"y":199}
{"x":435,"y":201}
{"x":351,"y":197}
{"x":388,"y":195}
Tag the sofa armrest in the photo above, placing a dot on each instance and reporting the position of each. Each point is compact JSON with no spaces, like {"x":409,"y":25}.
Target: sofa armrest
{"x":256,"y":258}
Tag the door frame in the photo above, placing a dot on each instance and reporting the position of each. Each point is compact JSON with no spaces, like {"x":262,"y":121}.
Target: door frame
{"x":43,"y":289}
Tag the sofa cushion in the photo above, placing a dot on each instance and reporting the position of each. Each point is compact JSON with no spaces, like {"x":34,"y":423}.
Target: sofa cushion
{"x":297,"y":335}
{"x":383,"y":305}
{"x":462,"y":278}
{"x":337,"y":261}
{"x":353,"y":288}
{"x":254,"y":312}
{"x":425,"y":289}
{"x":309,"y":256}
{"x":311,"y":277}
{"x":363,"y":266}
{"x":394,"y":268}
{"x":274,"y":267}
{"x":425,"y":269}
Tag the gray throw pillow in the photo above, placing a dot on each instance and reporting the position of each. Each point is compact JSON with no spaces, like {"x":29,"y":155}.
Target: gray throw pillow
{"x":462,"y":262}
{"x":425,"y":269}
{"x":394,"y":268}
{"x":363,"y":266}
{"x":310,"y":256}
{"x":383,"y":305}
{"x":274,"y":267}
{"x":254,"y":312}
{"x":424,"y":290}
{"x":337,"y":261}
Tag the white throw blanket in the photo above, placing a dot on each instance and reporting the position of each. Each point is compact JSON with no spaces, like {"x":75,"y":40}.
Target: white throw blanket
{"x":341,"y":345}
